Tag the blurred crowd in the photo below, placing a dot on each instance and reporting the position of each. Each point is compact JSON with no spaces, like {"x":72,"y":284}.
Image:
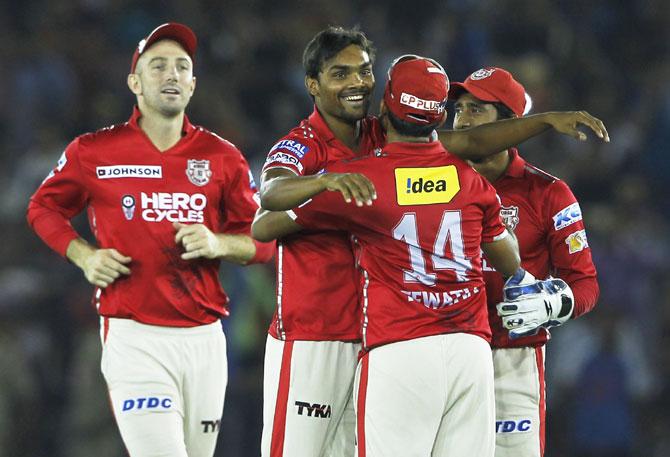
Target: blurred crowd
{"x":64,"y":73}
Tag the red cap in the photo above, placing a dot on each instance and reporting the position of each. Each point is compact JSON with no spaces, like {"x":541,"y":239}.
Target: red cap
{"x":494,"y":85}
{"x":172,"y":31}
{"x":416,"y":90}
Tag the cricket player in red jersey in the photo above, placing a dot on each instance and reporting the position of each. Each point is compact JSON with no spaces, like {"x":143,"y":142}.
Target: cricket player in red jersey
{"x":166,"y":201}
{"x":313,"y":341}
{"x":547,"y":221}
{"x":425,"y":380}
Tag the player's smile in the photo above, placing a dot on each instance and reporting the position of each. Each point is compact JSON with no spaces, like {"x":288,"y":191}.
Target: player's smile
{"x":356,"y":100}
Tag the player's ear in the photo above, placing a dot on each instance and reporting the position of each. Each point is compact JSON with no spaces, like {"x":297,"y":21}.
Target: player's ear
{"x":312,"y":86}
{"x":443,"y":120}
{"x":134,"y":83}
{"x":192,"y":85}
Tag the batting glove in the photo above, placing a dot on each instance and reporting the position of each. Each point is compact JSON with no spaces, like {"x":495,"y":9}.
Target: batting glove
{"x":531,"y":305}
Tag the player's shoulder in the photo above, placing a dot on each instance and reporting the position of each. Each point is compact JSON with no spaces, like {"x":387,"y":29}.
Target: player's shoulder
{"x":214,"y":140}
{"x":538,"y":176}
{"x":300,"y":140}
{"x":109,"y":133}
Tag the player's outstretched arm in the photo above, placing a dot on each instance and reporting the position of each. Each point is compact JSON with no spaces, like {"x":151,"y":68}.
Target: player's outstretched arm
{"x":270,"y":225}
{"x":484,"y":140}
{"x":101,"y":267}
{"x":282,"y":190}
{"x":504,"y":254}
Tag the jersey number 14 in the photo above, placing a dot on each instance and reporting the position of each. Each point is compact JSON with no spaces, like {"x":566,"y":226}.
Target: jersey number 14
{"x":449,"y":232}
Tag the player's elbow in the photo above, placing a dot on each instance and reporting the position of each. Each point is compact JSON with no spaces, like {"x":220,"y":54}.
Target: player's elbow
{"x":260,"y":231}
{"x":271,"y":202}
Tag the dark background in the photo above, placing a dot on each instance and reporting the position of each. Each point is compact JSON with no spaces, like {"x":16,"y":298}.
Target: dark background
{"x":64,"y":67}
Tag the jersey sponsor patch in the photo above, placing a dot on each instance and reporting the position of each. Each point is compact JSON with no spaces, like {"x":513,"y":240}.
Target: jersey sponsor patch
{"x":128,"y":206}
{"x":283,"y":158}
{"x":198,"y":172}
{"x":147,"y":404}
{"x":426,"y":186}
{"x":510,"y":216}
{"x":514,"y":426}
{"x":129,"y":171}
{"x":577,"y":241}
{"x":292,"y":146}
{"x":567,"y":216}
{"x":173,"y":207}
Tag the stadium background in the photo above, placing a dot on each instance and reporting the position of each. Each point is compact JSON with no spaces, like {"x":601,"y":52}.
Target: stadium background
{"x":64,"y":71}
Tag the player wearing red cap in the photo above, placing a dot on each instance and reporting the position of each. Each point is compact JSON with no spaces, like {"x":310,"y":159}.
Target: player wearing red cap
{"x":313,"y":340}
{"x":425,"y":381}
{"x":166,"y":201}
{"x":548,"y":223}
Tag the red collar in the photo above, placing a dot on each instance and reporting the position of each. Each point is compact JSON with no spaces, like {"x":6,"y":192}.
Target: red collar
{"x":517,"y":164}
{"x":434,"y":147}
{"x":317,"y":121}
{"x":186,"y":127}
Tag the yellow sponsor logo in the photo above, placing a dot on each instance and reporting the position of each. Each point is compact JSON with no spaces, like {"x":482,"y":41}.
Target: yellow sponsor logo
{"x":426,"y":186}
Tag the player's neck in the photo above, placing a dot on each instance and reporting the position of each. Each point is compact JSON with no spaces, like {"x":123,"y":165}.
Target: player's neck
{"x":164,"y":132}
{"x":493,"y":167}
{"x":392,"y":136}
{"x":345,"y":131}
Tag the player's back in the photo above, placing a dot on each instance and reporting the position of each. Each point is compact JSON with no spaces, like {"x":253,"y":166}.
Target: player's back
{"x":420,"y":242}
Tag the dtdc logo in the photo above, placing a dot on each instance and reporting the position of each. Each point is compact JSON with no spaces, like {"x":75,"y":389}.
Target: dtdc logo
{"x":426,"y":186}
{"x":512,"y":426}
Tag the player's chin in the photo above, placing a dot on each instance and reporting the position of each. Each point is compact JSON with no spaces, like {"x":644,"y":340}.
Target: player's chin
{"x":355,"y":112}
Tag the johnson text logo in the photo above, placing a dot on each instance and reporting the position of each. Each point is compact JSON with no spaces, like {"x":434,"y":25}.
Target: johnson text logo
{"x":426,"y":186}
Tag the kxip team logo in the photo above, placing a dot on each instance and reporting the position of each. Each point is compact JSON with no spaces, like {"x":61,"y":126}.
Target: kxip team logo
{"x":426,"y":186}
{"x":510,"y":216}
{"x":198,"y":172}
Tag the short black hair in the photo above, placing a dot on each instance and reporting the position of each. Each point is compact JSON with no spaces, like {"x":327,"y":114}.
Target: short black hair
{"x":409,"y":128}
{"x":504,"y":112}
{"x":328,"y":42}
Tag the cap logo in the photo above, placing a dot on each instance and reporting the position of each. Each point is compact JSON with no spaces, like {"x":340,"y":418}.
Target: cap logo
{"x":140,"y":47}
{"x":423,"y":105}
{"x":482,"y":74}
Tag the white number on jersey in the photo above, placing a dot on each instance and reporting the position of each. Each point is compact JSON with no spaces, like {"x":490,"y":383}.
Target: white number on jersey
{"x":449,"y":232}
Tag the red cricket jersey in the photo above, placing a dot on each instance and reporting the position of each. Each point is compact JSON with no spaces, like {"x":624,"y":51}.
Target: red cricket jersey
{"x":134,"y":193}
{"x":317,"y":296}
{"x":547,"y":221}
{"x":419,"y":242}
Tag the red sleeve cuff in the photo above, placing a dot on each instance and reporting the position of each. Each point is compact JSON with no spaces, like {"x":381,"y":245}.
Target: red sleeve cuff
{"x":264,"y":252}
{"x":586,"y":292}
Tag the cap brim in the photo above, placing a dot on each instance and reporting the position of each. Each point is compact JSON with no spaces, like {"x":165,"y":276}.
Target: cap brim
{"x":457,"y":89}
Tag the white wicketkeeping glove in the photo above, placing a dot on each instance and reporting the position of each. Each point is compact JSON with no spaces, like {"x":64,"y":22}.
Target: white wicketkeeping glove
{"x":531,"y":304}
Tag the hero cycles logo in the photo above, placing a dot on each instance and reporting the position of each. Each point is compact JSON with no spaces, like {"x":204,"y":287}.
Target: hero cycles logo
{"x":166,"y":206}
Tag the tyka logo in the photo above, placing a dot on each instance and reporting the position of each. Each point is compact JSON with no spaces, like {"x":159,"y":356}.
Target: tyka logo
{"x":211,"y":426}
{"x":313,"y":410}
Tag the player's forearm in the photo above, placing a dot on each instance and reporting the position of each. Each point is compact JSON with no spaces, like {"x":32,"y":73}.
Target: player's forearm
{"x":235,"y":248}
{"x":284,"y":193}
{"x":504,"y":254}
{"x":487,"y":139}
{"x":78,"y":251}
{"x":270,"y":225}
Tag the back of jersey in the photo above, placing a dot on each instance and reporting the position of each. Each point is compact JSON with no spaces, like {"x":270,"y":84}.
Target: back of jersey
{"x":419,"y":242}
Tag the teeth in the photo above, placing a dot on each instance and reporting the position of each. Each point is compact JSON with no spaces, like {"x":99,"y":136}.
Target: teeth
{"x":354,"y":98}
